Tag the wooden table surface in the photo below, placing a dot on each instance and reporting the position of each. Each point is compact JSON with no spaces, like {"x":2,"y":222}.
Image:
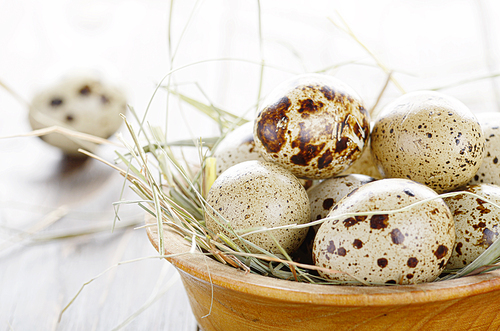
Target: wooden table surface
{"x":44,"y":195}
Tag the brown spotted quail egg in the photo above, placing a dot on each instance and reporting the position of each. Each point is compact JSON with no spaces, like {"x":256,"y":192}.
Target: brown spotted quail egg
{"x":477,"y":223}
{"x":405,"y":247}
{"x":238,"y":146}
{"x":324,"y":195}
{"x":80,"y":102}
{"x":489,"y":172}
{"x":428,"y":137}
{"x":313,"y":125}
{"x":254,"y":194}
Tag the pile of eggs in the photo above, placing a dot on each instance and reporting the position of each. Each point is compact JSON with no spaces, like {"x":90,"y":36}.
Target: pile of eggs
{"x":374,"y":208}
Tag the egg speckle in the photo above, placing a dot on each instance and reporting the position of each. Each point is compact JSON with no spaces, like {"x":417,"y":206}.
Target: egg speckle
{"x":428,"y":137}
{"x":390,"y":248}
{"x":324,"y":195}
{"x":477,"y":223}
{"x":489,"y":172}
{"x":313,"y":125}
{"x":255,"y":194}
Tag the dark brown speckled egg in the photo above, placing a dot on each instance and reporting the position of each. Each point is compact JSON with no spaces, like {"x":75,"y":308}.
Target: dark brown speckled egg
{"x":313,"y":125}
{"x":405,"y":247}
{"x":255,"y":194}
{"x":428,"y":137}
{"x":477,"y":223}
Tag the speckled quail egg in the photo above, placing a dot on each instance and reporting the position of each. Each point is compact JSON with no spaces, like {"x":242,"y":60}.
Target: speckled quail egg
{"x":405,"y":247}
{"x":428,"y":137}
{"x":255,"y":194}
{"x":81,"y":102}
{"x":313,"y":125}
{"x":236,"y":147}
{"x":324,"y":195}
{"x":489,"y":172}
{"x":477,"y":223}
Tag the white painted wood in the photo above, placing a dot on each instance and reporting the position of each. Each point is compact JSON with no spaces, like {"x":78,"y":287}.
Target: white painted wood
{"x":39,"y":278}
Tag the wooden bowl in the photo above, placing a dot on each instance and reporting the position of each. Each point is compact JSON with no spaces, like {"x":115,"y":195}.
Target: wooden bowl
{"x":224,"y":298}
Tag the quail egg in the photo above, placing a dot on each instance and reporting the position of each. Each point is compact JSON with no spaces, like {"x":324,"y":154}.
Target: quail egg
{"x":236,"y":147}
{"x":81,"y":102}
{"x":313,"y":125}
{"x":428,"y":137}
{"x":477,"y":223}
{"x":324,"y":195}
{"x":489,"y":172}
{"x":255,"y":194}
{"x":404,"y":247}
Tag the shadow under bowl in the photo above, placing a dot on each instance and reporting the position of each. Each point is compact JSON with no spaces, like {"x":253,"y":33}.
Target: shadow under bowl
{"x":227,"y":299}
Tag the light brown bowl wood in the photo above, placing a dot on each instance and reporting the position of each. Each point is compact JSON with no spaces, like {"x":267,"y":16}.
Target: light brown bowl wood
{"x":226,"y":299}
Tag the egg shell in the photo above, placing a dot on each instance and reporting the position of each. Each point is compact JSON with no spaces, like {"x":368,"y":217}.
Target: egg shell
{"x":489,"y":172}
{"x":81,"y":102}
{"x":477,"y":223}
{"x":236,"y":147}
{"x":313,"y":125}
{"x":405,"y":247}
{"x":326,"y":194}
{"x":428,"y":137}
{"x":256,"y":194}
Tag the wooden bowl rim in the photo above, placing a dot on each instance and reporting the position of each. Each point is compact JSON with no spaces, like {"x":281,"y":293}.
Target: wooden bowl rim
{"x":213,"y":272}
